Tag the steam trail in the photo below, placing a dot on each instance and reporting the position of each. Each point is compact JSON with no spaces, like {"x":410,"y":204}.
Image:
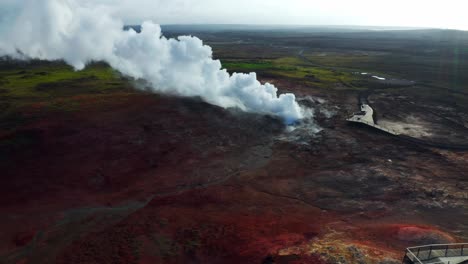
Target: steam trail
{"x":79,"y":34}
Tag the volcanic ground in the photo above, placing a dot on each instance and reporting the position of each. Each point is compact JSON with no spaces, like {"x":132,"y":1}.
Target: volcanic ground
{"x":125,"y":176}
{"x":144,"y":178}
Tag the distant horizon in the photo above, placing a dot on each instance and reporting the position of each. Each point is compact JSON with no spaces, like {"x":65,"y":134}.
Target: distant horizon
{"x":331,"y":26}
{"x":398,"y":14}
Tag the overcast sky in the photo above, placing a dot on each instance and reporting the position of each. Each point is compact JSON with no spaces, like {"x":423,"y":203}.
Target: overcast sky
{"x":412,"y":13}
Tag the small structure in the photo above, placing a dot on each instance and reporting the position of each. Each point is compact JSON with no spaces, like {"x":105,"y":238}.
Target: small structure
{"x":366,"y":116}
{"x":437,"y":254}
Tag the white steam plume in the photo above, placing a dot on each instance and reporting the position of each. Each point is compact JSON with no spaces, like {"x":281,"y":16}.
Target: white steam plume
{"x":79,"y":34}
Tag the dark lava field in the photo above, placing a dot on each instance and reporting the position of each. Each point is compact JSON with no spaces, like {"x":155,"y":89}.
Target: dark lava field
{"x":93,"y":170}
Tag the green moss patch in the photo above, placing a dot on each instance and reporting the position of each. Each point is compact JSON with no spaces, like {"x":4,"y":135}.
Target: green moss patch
{"x":297,"y":69}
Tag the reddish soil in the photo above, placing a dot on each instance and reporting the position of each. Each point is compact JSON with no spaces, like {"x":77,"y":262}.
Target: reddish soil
{"x":142,"y":178}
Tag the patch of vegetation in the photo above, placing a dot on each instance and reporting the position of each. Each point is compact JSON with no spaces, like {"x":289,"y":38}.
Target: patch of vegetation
{"x":244,"y":66}
{"x":29,"y":89}
{"x":343,"y":60}
{"x":54,"y":80}
{"x":297,"y":69}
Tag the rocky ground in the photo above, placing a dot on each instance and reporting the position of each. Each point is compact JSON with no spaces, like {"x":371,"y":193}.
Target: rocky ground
{"x":145,"y":178}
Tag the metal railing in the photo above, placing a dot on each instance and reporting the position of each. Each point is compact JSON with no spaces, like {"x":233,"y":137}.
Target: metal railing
{"x":425,"y":254}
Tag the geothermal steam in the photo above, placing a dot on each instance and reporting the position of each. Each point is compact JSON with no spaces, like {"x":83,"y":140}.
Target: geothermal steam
{"x":79,"y":34}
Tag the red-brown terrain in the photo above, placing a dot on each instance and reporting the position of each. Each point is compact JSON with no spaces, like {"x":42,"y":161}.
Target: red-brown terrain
{"x":144,"y":178}
{"x":95,"y":171}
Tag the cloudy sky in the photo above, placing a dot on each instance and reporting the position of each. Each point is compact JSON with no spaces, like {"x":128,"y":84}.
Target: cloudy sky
{"x":413,"y":13}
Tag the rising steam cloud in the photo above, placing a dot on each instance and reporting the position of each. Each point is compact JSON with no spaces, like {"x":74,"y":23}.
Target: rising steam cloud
{"x":79,"y":34}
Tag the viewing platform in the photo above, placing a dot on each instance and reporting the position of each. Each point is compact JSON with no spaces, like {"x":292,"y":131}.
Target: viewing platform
{"x":366,"y":116}
{"x":437,"y":254}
